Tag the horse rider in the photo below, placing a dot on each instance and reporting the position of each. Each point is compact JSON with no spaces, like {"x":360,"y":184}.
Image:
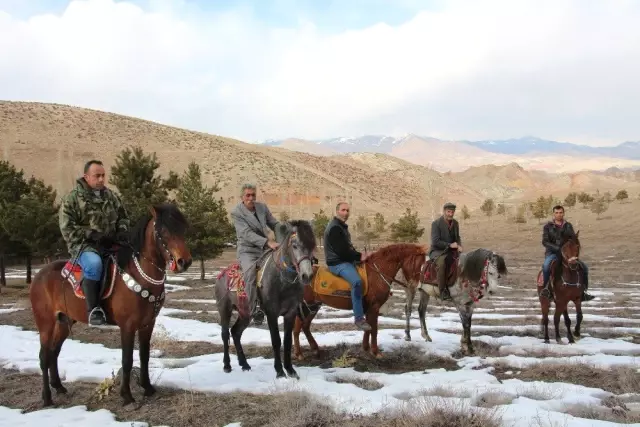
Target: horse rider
{"x":554,"y":233}
{"x":92,"y":218}
{"x":250,"y":219}
{"x":445,"y":239}
{"x":341,"y":256}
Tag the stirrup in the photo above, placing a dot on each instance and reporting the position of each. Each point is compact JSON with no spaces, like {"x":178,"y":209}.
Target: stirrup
{"x":445,"y":295}
{"x":546,"y":293}
{"x":97,"y":317}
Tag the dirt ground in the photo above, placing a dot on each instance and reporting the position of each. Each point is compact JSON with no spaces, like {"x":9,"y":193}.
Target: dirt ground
{"x":610,"y":247}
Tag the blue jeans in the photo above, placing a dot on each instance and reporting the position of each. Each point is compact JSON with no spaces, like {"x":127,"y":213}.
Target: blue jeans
{"x":349,"y":273}
{"x":546,"y":269}
{"x":91,"y":264}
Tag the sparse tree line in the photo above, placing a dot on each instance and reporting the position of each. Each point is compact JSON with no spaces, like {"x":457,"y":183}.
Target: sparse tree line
{"x":542,"y":207}
{"x":29,"y":208}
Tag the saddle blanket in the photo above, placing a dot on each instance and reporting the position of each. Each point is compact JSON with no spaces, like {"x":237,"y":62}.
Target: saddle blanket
{"x":326,"y":283}
{"x":73,"y":274}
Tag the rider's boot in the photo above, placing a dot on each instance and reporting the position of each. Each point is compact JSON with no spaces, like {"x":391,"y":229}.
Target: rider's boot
{"x":96,"y":315}
{"x":546,"y":291}
{"x":257,"y":315}
{"x":586,"y":296}
{"x":445,"y":295}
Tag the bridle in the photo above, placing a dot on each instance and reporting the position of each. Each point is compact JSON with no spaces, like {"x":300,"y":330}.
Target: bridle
{"x":280,"y":259}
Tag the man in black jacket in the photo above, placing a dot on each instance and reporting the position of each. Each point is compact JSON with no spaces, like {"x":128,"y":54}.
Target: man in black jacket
{"x":341,"y":257}
{"x":553,"y":234}
{"x":445,"y":239}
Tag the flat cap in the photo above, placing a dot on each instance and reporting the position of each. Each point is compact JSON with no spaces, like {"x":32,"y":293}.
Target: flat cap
{"x":449,"y":205}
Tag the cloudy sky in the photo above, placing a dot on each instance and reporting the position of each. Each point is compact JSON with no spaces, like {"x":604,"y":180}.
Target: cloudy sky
{"x":258,"y":69}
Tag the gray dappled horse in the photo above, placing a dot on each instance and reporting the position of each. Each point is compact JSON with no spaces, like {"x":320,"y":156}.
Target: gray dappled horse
{"x":478,"y":272}
{"x":285,"y":272}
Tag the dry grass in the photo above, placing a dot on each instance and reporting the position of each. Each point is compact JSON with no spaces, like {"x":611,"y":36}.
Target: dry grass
{"x":616,"y":413}
{"x":618,"y":379}
{"x":364,"y":383}
{"x":491,"y":399}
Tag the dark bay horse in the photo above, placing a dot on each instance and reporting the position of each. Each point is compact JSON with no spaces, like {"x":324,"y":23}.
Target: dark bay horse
{"x":566,"y":286}
{"x":381,"y":268}
{"x":474,"y":273}
{"x":132,"y":295}
{"x":282,"y":275}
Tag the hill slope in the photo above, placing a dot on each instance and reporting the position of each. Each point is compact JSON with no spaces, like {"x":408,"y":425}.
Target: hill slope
{"x":53,"y":142}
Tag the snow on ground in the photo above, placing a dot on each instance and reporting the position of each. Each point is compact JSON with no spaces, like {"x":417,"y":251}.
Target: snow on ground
{"x":93,"y":362}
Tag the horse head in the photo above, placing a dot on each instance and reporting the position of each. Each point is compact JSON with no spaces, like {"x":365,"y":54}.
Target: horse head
{"x":297,"y":245}
{"x":571,"y":249}
{"x":169,"y":227}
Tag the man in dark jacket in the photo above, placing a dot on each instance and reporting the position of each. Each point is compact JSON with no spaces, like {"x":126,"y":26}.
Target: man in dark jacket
{"x":553,"y":234}
{"x":341,"y":257}
{"x":445,"y":239}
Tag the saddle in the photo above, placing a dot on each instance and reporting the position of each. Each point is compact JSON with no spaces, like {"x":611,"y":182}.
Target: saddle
{"x":73,"y":275}
{"x":429,"y":272}
{"x":552,"y":270}
{"x":327,"y":283}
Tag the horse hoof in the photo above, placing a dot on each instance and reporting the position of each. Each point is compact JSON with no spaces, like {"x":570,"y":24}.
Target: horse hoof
{"x":559,"y":340}
{"x":47,"y":403}
{"x":61,"y":390}
{"x":128,"y":400}
{"x":547,"y":341}
{"x":299,"y":357}
{"x":293,"y":374}
{"x":246,"y":368}
{"x":428,"y":339}
{"x":407,"y":338}
{"x":281,"y":374}
{"x":149,"y":391}
{"x":227,"y":369}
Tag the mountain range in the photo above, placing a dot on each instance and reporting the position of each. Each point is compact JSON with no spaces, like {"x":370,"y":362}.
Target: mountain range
{"x":52,"y":142}
{"x":530,"y":152}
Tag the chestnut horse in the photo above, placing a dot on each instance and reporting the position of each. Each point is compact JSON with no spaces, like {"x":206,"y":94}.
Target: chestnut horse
{"x":566,"y":286}
{"x":381,"y":269}
{"x":131,"y":296}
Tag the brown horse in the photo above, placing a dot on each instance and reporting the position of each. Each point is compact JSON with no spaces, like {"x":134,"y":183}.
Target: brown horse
{"x":566,"y":286}
{"x":380,"y":268}
{"x":132,"y":295}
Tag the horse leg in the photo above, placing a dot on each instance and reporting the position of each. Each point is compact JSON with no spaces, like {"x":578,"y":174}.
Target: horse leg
{"x":272,"y":321}
{"x":578,"y":304}
{"x":60,"y":334}
{"x":288,"y":330}
{"x":465,"y":313}
{"x":422,"y":313}
{"x":561,"y":306}
{"x":372,"y":319}
{"x":567,"y":323}
{"x":45,"y":360}
{"x":144,"y":348}
{"x":236,"y":333}
{"x":297,"y":327}
{"x":127,"y":338}
{"x":545,"y":304}
{"x":225,"y":316}
{"x":410,"y":294}
{"x":305,"y":326}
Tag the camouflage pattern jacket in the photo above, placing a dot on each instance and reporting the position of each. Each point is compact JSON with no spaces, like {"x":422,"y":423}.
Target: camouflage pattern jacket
{"x":82,"y":211}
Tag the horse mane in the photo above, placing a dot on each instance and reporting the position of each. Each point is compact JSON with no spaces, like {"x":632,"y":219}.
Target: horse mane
{"x":305,"y":233}
{"x":395,"y":248}
{"x":473,"y":263}
{"x":167,"y":216}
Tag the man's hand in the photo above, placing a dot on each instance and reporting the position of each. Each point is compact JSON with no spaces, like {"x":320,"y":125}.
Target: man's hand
{"x":454,"y":245}
{"x":273,"y":245}
{"x":364,"y":256}
{"x":95,"y":236}
{"x":459,"y":248}
{"x":122,"y":237}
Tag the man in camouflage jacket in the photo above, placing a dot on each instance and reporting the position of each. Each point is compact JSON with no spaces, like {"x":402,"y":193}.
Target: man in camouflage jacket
{"x":92,"y":217}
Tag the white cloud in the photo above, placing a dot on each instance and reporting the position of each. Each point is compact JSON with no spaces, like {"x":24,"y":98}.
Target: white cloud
{"x":557,"y":69}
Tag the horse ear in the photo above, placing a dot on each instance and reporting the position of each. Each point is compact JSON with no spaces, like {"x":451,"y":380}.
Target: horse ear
{"x":281,"y":231}
{"x":153,"y":212}
{"x":577,"y":233}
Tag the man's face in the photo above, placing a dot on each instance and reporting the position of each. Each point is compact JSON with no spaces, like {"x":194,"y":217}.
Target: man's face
{"x":95,"y":177}
{"x":448,"y":214}
{"x":249,"y":198}
{"x":558,"y":215}
{"x":343,"y":212}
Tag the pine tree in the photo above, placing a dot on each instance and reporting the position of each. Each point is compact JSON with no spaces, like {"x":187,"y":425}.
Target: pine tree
{"x":320,"y":222}
{"x":12,"y":187}
{"x":487,"y":207}
{"x":571,"y":199}
{"x":622,"y":195}
{"x":33,"y":222}
{"x":209,"y":226}
{"x":407,"y":228}
{"x":134,"y":174}
{"x":540,"y":208}
{"x":379,"y":223}
{"x":465,"y":213}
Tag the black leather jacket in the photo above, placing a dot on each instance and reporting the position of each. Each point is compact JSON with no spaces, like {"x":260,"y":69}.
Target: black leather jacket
{"x":553,"y":236}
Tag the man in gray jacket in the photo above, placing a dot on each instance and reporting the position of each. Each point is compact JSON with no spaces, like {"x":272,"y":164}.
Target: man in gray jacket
{"x":445,"y":238}
{"x":251,"y":220}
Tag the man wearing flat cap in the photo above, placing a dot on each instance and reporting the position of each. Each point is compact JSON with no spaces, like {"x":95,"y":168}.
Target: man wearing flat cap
{"x":445,"y":240}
